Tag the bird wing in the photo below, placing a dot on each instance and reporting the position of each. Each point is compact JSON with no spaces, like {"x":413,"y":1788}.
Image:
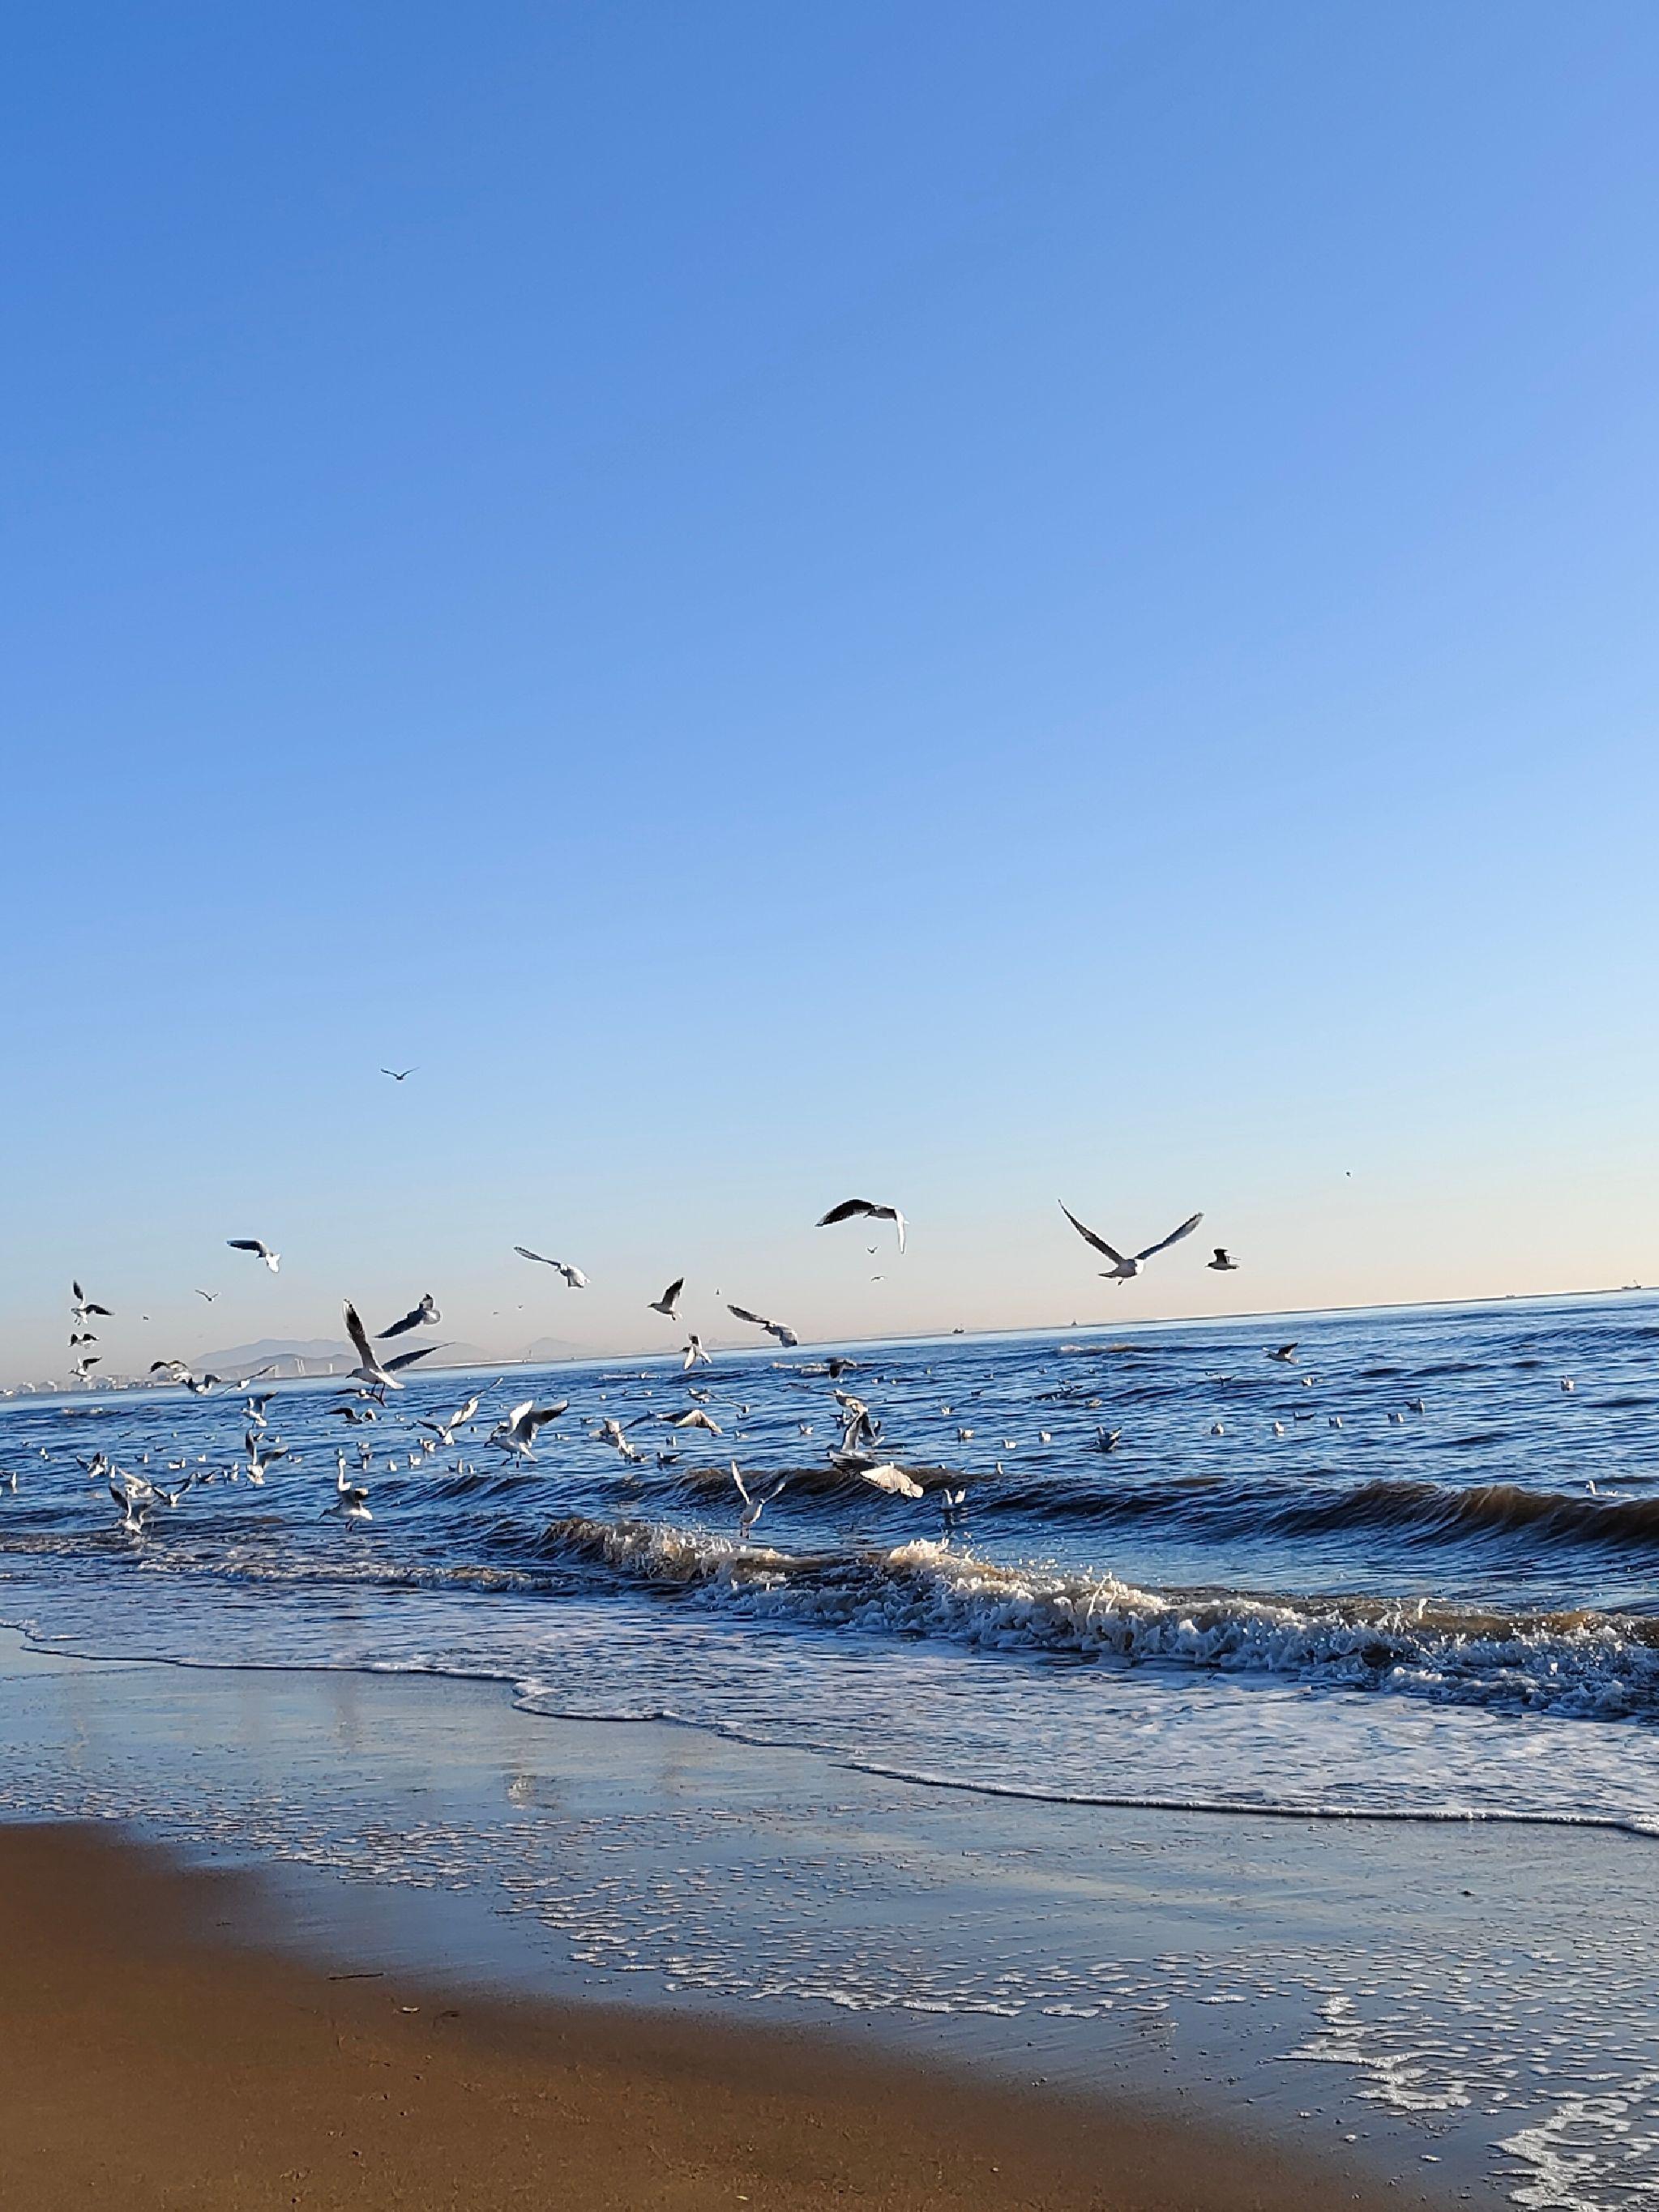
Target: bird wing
{"x":537,"y":1417}
{"x":1173,"y":1237}
{"x":1089,"y":1237}
{"x":849,"y":1208}
{"x":525,"y":1252}
{"x":245,"y":1244}
{"x":359,"y":1336}
{"x":742,"y":1493}
{"x":410,"y":1319}
{"x":408,"y":1358}
{"x":94,"y":1307}
{"x":673,"y":1291}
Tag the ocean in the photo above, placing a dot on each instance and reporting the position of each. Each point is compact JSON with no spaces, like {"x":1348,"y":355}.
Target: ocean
{"x":1285,"y":1589}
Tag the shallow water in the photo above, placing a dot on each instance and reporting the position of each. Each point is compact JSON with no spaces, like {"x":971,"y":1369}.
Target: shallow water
{"x":1432,"y":1614}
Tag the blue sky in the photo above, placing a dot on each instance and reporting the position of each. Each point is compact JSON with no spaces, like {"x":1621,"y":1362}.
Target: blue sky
{"x":962,"y":603}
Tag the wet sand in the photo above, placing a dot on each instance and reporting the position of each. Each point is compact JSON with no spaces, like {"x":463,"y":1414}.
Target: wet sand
{"x":157,"y":2056}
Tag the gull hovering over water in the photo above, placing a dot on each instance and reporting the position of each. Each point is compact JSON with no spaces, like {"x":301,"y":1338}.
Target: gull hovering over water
{"x":671,"y":1297}
{"x":135,"y":1497}
{"x":893,"y":1480}
{"x":785,"y":1337}
{"x":260,"y":1455}
{"x":863,"y":1209}
{"x":1126,"y":1265}
{"x":353,"y":1496}
{"x":1284,"y":1353}
{"x":259,"y":1249}
{"x":83,"y":1305}
{"x":516,"y":1435}
{"x":444,"y":1431}
{"x":754,"y":1505}
{"x":422,"y":1316}
{"x":573,"y":1276}
{"x":694,"y":1352}
{"x":379,"y":1374}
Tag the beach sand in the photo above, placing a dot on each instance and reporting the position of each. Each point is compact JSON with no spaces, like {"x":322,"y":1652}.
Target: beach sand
{"x":156,"y":2057}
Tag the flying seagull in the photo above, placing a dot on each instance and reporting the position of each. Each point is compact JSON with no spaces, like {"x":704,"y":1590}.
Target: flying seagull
{"x":259,"y":1249}
{"x":353,"y":1496}
{"x":209,"y":1295}
{"x":670,"y":1299}
{"x":1224,"y":1262}
{"x":380,"y":1375}
{"x":787,"y":1337}
{"x":694,"y":1352}
{"x":517,"y":1433}
{"x":573,"y":1276}
{"x":893,"y":1480}
{"x":1127,"y":1266}
{"x":864,"y":1209}
{"x":693,"y":1417}
{"x":398,"y":1075}
{"x":1284,"y":1353}
{"x":754,"y":1505}
{"x":426,"y":1314}
{"x":83,"y":1305}
{"x":444,"y":1431}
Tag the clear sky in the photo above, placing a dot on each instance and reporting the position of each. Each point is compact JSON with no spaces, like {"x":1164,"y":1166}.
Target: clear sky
{"x":964,"y":602}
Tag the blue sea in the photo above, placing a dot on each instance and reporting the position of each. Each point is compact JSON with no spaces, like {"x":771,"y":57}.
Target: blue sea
{"x":1283,"y":1589}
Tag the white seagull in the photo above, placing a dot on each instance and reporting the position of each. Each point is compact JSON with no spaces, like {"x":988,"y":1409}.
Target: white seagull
{"x":573,"y":1276}
{"x":424,"y":1315}
{"x":353,"y":1496}
{"x":671,"y":1297}
{"x":83,"y":1305}
{"x":444,"y":1431}
{"x":1127,"y":1266}
{"x":893,"y":1480}
{"x":516,"y":1435}
{"x":785,"y":1337}
{"x":259,"y":1249}
{"x":863,"y":1209}
{"x":694,"y":1352}
{"x":260,"y":1455}
{"x":1284,"y":1353}
{"x":379,"y":1374}
{"x":753,"y":1505}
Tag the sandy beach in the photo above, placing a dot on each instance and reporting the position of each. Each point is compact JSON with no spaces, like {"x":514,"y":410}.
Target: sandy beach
{"x":156,"y":2057}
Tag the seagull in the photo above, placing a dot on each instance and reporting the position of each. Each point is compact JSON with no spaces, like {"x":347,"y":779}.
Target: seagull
{"x":573,"y":1276}
{"x":670,"y":1299}
{"x":694,"y":1352}
{"x":398,"y":1075}
{"x":693,"y":1417}
{"x":135,"y":1498}
{"x":1417,"y":1405}
{"x":84,"y":1366}
{"x":1217,"y":1429}
{"x":1284,"y":1353}
{"x":517,"y":1433}
{"x":1224,"y":1263}
{"x":418,"y":1316}
{"x":83,"y":1305}
{"x":856,"y":1209}
{"x":1106,"y":1440}
{"x":260,"y":1455}
{"x":753,"y":1505}
{"x":209,"y":1295}
{"x":260,"y":1249}
{"x":893,"y":1480}
{"x":1126,"y":1266}
{"x":353,"y":1496}
{"x":785,"y":1337}
{"x":950,"y":1505}
{"x":1567,"y":1383}
{"x":611,"y":1430}
{"x":254,"y":1409}
{"x":444,"y":1431}
{"x":377,"y":1374}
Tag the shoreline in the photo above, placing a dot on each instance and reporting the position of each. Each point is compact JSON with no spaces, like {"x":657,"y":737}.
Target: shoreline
{"x":429,"y":1830}
{"x":161,"y":2053}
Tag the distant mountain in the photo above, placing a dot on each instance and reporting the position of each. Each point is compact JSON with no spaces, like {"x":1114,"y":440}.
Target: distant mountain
{"x":290,"y":1357}
{"x":547,"y":1349}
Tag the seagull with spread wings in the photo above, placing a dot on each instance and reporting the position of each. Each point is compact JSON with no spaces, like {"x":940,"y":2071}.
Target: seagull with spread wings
{"x":379,"y":1374}
{"x":425,"y":1315}
{"x":1126,"y":1265}
{"x":755,"y":1503}
{"x":574,"y":1277}
{"x":787,"y":1337}
{"x":671,"y":1297}
{"x":1224,"y":1262}
{"x":516,"y":1435}
{"x":864,"y":1209}
{"x":400,"y":1074}
{"x":259,"y":1249}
